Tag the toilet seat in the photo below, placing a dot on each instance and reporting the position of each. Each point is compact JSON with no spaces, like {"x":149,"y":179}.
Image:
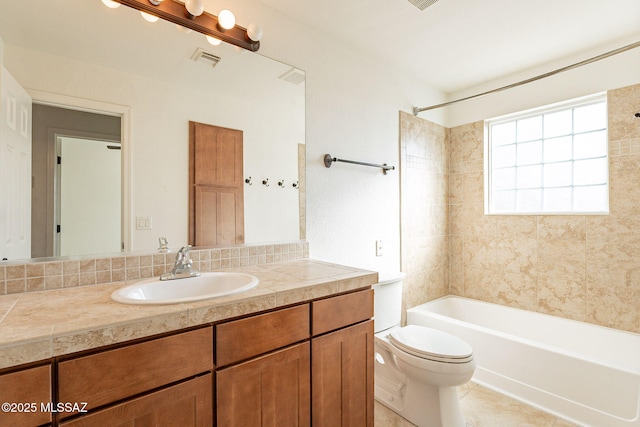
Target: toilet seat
{"x":431,"y":344}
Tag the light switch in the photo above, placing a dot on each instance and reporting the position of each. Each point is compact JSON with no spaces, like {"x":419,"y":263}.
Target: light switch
{"x":378,"y":247}
{"x":144,"y":223}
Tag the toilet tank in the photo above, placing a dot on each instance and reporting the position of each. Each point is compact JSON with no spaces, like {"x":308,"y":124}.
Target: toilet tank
{"x":387,"y":301}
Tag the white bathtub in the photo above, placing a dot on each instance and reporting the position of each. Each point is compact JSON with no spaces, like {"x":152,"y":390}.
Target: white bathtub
{"x":584,"y":373}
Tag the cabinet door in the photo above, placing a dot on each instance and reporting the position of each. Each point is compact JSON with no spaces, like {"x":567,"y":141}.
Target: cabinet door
{"x":272,"y":390}
{"x":28,"y":390}
{"x":342,"y":377}
{"x":189,"y":404}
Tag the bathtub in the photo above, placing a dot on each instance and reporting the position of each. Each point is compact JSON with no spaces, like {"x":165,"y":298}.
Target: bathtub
{"x":586,"y":374}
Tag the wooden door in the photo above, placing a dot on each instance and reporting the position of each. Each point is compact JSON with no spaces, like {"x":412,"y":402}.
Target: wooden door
{"x":216,"y":193}
{"x":188,"y":404}
{"x":342,"y":377}
{"x":15,"y":169}
{"x":269,"y":391}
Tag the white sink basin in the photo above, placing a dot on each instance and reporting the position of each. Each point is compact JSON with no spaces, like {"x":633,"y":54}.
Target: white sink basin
{"x":207,"y":285}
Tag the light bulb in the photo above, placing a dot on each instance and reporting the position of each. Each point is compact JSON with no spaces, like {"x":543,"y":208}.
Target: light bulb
{"x":183,"y":29}
{"x":194,"y":7}
{"x":214,"y":41}
{"x":254,"y":32}
{"x":111,"y":4}
{"x":148,"y":17}
{"x":226,"y":20}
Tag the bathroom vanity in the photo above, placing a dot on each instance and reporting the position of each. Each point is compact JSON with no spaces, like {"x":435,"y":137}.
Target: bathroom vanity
{"x":296,"y":350}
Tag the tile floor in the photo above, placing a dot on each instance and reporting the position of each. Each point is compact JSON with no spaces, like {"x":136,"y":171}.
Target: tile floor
{"x":483,"y":408}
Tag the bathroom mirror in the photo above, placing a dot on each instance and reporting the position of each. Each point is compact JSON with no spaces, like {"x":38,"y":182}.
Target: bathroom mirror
{"x":81,"y":52}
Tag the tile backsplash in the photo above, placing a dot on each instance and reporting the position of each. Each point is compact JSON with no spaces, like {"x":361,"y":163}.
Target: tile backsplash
{"x":45,"y":274}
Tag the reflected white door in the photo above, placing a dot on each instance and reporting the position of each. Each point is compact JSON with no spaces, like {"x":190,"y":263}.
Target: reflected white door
{"x":15,"y":169}
{"x":88,"y":197}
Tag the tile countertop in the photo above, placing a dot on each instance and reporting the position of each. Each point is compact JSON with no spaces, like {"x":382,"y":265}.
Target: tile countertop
{"x":39,"y":325}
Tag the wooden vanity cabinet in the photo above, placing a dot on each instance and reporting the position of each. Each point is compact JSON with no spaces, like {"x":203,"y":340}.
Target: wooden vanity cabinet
{"x":342,"y":361}
{"x":25,"y":391}
{"x":265,"y":375}
{"x":310,"y":364}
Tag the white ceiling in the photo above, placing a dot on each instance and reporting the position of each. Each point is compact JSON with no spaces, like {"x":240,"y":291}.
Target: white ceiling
{"x":452,"y":45}
{"x":456,"y":44}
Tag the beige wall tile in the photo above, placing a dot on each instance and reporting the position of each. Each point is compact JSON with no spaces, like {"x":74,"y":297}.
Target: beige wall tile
{"x":35,"y":270}
{"x":614,"y":307}
{"x":563,"y":295}
{"x":514,"y":254}
{"x":622,"y":104}
{"x":425,"y":194}
{"x":518,"y":226}
{"x":574,"y":266}
{"x":473,"y":188}
{"x":562,"y":227}
{"x":14,"y":272}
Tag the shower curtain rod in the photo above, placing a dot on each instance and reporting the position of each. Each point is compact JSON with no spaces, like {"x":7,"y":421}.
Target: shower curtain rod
{"x":417,"y":110}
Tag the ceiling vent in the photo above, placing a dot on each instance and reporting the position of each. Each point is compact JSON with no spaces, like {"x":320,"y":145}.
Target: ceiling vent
{"x":294,"y":76}
{"x":422,"y":4}
{"x":204,"y":56}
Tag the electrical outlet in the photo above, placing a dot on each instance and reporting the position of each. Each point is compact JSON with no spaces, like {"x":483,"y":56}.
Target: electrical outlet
{"x":378,"y":247}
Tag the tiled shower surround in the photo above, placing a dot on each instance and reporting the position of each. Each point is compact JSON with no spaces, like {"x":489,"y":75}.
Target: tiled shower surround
{"x":42,"y":275}
{"x":582,"y":267}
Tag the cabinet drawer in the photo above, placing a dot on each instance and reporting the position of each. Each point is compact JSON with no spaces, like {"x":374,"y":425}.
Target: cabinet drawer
{"x":344,"y":310}
{"x":188,"y":404}
{"x":241,"y":339}
{"x":105,"y":377}
{"x":28,"y":387}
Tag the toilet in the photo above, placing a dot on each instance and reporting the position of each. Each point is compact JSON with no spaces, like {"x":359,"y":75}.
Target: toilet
{"x":417,"y":369}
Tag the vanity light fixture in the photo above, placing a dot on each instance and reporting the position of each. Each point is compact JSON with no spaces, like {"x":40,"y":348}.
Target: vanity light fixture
{"x":254,"y":32}
{"x":226,"y":20}
{"x":194,"y":7}
{"x":191,"y":14}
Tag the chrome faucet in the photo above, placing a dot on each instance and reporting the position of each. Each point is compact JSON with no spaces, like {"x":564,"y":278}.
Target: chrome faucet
{"x":182,"y":268}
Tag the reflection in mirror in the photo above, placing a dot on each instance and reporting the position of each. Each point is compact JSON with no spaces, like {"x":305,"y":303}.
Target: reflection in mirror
{"x":76,"y":184}
{"x":68,"y":50}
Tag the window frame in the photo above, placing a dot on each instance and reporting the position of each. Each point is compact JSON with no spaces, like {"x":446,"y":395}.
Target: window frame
{"x":540,"y":112}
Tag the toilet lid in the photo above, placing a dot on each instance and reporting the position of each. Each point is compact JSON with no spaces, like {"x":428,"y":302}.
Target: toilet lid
{"x":429,"y":343}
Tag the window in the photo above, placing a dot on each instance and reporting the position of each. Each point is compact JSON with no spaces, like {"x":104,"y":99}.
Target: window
{"x":550,"y":160}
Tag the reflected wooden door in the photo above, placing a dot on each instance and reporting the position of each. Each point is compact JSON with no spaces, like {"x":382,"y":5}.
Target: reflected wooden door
{"x":216,"y":194}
